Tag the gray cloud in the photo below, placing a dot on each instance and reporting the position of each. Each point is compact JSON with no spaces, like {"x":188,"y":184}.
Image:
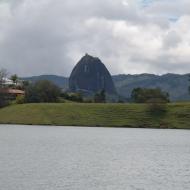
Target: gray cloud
{"x":171,"y":40}
{"x":50,"y":36}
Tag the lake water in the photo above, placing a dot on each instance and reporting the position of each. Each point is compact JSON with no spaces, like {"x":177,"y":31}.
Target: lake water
{"x":68,"y":158}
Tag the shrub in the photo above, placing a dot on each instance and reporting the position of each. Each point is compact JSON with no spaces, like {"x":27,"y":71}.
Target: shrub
{"x":20,"y":99}
{"x":100,"y":97}
{"x":60,"y":100}
{"x":75,"y":97}
{"x":88,"y":100}
{"x":157,"y":106}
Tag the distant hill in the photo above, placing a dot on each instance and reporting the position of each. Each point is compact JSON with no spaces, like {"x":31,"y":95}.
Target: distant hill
{"x":60,"y":81}
{"x":176,"y":85}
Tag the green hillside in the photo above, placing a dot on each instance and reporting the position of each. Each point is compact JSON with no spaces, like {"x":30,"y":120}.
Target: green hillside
{"x":107,"y":115}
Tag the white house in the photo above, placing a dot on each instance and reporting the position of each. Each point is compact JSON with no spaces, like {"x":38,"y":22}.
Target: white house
{"x":7,"y":81}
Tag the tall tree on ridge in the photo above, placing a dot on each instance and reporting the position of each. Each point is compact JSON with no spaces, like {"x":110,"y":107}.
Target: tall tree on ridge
{"x":14,"y":78}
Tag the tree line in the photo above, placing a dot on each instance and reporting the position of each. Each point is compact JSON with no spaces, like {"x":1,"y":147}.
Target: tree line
{"x":46,"y":91}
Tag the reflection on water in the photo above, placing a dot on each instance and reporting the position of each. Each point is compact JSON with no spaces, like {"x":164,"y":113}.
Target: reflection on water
{"x":65,"y":158}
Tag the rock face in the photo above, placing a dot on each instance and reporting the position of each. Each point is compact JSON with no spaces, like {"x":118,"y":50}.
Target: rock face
{"x":91,"y":75}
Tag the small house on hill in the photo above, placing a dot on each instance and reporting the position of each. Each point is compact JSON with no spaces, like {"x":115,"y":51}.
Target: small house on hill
{"x":11,"y":93}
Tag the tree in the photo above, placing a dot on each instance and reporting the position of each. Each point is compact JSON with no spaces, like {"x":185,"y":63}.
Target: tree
{"x":14,"y":78}
{"x":156,"y":100}
{"x":137,"y":95}
{"x":3,"y":75}
{"x":42,"y":91}
{"x":144,"y":95}
{"x":3,"y":99}
{"x":100,"y":97}
{"x":25,"y":84}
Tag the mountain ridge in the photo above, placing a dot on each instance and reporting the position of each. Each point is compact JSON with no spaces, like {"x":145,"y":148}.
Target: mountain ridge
{"x":175,"y":84}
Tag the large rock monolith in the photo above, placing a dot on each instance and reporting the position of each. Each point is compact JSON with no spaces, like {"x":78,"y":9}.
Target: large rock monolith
{"x":91,"y":75}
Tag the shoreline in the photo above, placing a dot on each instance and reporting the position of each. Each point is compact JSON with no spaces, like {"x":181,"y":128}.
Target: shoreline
{"x":75,"y":126}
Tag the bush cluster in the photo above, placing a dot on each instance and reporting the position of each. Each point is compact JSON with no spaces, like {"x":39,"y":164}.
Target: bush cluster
{"x":144,"y":95}
{"x":42,"y":91}
{"x":75,"y":97}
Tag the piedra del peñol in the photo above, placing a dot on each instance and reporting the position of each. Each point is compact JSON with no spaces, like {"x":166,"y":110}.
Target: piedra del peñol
{"x":90,"y":75}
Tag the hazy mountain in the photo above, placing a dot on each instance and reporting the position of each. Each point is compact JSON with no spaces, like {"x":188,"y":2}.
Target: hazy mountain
{"x":176,"y":85}
{"x":60,"y":81}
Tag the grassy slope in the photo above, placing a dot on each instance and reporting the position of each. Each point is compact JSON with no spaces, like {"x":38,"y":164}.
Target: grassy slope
{"x":117,"y":115}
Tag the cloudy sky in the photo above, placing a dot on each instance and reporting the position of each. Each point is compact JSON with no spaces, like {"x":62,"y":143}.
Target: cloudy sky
{"x":129,"y":36}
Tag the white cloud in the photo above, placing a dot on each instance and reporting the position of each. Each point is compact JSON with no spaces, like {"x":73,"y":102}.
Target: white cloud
{"x":50,"y":36}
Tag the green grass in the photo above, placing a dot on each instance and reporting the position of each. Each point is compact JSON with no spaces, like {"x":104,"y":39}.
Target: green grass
{"x":107,"y":115}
